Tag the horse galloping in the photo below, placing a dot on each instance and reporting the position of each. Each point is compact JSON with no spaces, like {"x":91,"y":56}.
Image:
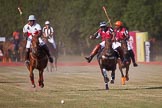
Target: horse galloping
{"x":38,"y":60}
{"x":126,"y":62}
{"x":107,"y":61}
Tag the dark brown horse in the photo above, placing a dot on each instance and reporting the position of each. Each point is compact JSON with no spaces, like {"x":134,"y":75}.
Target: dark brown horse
{"x":38,"y":60}
{"x":126,"y":62}
{"x":54,"y":54}
{"x":107,"y":62}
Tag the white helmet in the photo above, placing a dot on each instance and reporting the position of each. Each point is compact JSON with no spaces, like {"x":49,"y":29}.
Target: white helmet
{"x":47,"y":22}
{"x":31,"y":17}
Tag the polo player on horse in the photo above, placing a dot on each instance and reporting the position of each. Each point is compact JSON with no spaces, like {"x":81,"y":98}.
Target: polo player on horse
{"x":48,"y":32}
{"x":105,"y":32}
{"x":34,"y":29}
{"x":122,"y":33}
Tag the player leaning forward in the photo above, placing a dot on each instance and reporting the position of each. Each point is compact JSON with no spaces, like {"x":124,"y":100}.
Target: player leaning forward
{"x":34,"y":29}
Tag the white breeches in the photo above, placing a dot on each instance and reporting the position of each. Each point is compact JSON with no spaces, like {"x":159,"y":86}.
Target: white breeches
{"x":115,"y":45}
{"x":129,"y":46}
{"x":30,"y":39}
{"x":52,"y":41}
{"x":102,"y":44}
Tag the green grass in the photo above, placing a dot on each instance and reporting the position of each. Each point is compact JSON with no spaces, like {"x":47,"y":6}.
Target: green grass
{"x":81,"y":87}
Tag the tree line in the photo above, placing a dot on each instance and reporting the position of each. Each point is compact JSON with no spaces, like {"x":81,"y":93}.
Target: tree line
{"x":75,"y":20}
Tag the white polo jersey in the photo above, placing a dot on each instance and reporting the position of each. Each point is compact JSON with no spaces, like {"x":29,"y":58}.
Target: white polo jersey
{"x":31,"y":30}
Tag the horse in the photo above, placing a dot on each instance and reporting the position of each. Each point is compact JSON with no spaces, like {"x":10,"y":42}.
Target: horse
{"x":8,"y":48}
{"x":107,"y":61}
{"x":11,"y":53}
{"x":54,"y":54}
{"x":38,"y":60}
{"x":126,"y":62}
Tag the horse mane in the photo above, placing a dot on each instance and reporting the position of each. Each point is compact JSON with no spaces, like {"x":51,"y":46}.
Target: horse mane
{"x":36,"y":49}
{"x":108,"y":46}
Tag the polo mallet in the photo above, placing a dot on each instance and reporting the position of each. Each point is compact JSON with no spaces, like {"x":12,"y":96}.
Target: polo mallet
{"x":104,"y":9}
{"x":19,"y":9}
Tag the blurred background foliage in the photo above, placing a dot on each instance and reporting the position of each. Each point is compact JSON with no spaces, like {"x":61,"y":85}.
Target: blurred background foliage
{"x":75,"y":20}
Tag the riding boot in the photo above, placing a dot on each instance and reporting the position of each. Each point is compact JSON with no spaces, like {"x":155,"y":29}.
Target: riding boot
{"x":45,"y":48}
{"x":93,"y":53}
{"x":121,"y":54}
{"x":132,"y":57}
{"x":27,"y":56}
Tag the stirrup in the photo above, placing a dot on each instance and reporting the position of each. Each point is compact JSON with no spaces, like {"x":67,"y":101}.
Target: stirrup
{"x":135,"y":64}
{"x":88,"y":59}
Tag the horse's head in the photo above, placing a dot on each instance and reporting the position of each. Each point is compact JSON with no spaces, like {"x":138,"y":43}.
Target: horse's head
{"x":35,"y":45}
{"x":124,"y":46}
{"x":108,"y":51}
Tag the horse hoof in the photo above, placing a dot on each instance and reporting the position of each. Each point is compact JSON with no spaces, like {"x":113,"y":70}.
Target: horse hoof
{"x":123,"y":80}
{"x":41,"y":85}
{"x":112,"y":81}
{"x":107,"y":87}
{"x":33,"y":86}
{"x":127,"y":78}
{"x":106,"y":79}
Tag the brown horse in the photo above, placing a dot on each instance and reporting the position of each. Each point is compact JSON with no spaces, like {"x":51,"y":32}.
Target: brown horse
{"x":38,"y":60}
{"x":107,"y":61}
{"x":8,"y":48}
{"x":11,"y":54}
{"x":126,"y":62}
{"x":54,"y":54}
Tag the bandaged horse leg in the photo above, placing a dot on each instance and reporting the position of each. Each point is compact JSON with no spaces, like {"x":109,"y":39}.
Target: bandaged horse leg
{"x":106,"y":79}
{"x":112,"y":77}
{"x":40,"y":81}
{"x":123,"y":78}
{"x":32,"y":79}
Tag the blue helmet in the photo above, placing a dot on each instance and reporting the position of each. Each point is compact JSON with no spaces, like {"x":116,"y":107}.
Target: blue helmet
{"x":103,"y":24}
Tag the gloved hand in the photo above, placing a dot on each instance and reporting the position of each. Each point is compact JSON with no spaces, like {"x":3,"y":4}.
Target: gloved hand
{"x":91,"y":36}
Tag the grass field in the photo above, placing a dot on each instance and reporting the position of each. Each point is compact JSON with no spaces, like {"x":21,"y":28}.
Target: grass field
{"x":81,"y":87}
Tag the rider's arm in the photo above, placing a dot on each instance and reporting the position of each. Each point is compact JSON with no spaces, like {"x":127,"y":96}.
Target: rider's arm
{"x":96,"y":35}
{"x":25,"y":31}
{"x":43,"y":32}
